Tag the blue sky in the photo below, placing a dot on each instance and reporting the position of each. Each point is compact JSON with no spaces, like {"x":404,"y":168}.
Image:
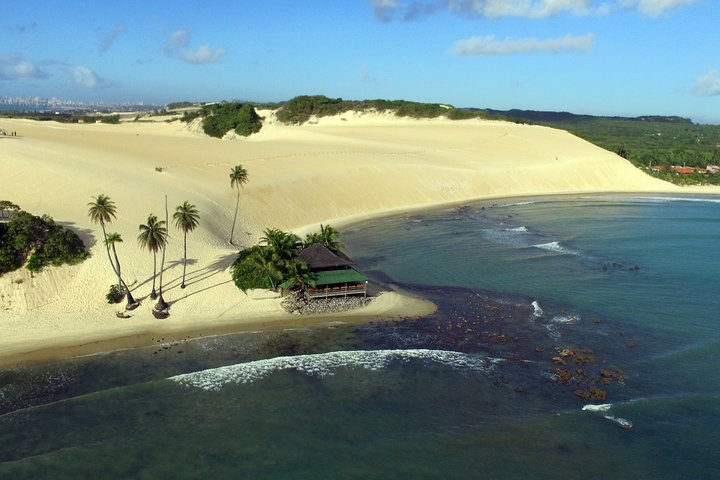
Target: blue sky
{"x":606,"y":57}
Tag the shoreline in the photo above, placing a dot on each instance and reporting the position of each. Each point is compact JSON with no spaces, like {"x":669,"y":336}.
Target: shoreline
{"x":392,"y":304}
{"x":336,"y":172}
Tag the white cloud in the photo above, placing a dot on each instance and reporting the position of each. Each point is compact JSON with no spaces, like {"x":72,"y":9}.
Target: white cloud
{"x":522,"y":8}
{"x":107,"y":40}
{"x":489,"y":45}
{"x":384,"y":9}
{"x":86,"y":78}
{"x":654,"y":8}
{"x":387,"y":10}
{"x":15,"y":66}
{"x":708,"y":85}
{"x":202,"y":55}
{"x":177,"y":46}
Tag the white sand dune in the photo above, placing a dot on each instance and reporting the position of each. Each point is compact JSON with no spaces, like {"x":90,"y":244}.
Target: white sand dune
{"x":336,"y":170}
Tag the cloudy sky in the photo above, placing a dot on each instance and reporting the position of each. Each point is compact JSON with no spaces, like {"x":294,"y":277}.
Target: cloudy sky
{"x":609,"y":57}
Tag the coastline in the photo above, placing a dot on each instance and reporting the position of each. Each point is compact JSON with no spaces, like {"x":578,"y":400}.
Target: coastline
{"x":342,"y":173}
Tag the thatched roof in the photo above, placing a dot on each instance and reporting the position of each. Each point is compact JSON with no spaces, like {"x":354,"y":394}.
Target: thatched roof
{"x":319,"y":257}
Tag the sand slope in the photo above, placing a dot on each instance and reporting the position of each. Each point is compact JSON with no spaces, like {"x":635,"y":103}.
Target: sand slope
{"x":335,"y":170}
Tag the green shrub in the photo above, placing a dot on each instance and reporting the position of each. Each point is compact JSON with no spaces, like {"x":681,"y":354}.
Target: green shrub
{"x":224,"y":117}
{"x":40,"y":238}
{"x":115,"y":295}
{"x":246,"y":274}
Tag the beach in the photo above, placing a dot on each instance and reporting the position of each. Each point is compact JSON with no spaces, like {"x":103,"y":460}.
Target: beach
{"x":336,"y":170}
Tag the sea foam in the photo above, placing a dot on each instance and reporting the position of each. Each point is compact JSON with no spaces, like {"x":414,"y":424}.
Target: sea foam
{"x":605,"y":408}
{"x":556,"y":248}
{"x":323,"y":364}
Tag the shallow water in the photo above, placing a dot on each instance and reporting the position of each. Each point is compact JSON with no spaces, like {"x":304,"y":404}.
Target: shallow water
{"x":626,"y":285}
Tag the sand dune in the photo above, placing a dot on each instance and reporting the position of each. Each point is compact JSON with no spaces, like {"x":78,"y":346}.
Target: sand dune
{"x":336,"y":170}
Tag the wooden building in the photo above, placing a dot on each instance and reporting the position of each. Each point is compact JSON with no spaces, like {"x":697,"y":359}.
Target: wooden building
{"x":331,"y":272}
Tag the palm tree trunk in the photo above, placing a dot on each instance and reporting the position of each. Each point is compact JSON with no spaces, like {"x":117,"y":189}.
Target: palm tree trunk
{"x":153,"y":294}
{"x":182,"y":285}
{"x":161,"y":304}
{"x":130,"y":299}
{"x":237,"y":204}
{"x":107,"y":250}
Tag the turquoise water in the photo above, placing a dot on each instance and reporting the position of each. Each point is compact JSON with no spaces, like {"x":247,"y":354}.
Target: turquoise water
{"x":617,"y":292}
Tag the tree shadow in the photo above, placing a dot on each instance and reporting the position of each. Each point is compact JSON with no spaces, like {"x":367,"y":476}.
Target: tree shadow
{"x":85,"y":234}
{"x":221,"y":264}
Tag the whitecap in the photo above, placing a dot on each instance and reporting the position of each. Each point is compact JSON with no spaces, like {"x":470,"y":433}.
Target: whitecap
{"x":517,"y":229}
{"x":556,"y":248}
{"x":624,"y":423}
{"x":603,"y":407}
{"x":566,"y":319}
{"x":517,"y":204}
{"x":323,"y":364}
{"x":537,"y":311}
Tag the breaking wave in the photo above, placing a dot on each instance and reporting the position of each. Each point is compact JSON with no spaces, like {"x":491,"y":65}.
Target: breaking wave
{"x":537,"y":311}
{"x":604,"y":409}
{"x":556,"y":248}
{"x":323,"y":364}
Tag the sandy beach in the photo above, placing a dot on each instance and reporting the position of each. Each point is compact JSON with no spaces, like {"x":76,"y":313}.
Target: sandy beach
{"x":337,"y":170}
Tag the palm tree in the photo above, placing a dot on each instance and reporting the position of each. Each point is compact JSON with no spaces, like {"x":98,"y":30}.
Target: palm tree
{"x":284,"y":245}
{"x":102,"y":211}
{"x":265,"y":259}
{"x":186,"y":218}
{"x":111,"y":239}
{"x":238,"y":177}
{"x":153,"y":236}
{"x":330,"y":237}
{"x":298,"y":274}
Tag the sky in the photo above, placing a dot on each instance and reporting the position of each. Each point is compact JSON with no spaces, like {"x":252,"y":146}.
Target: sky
{"x":605,"y":57}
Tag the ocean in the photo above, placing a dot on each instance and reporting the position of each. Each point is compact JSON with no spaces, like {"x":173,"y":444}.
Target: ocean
{"x":576,"y":337}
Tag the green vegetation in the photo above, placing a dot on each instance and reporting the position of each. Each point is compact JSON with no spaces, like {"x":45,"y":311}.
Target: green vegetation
{"x":153,"y":237}
{"x":273,"y":262}
{"x":186,"y":218}
{"x":300,"y":109}
{"x":39,"y":241}
{"x":220,"y":118}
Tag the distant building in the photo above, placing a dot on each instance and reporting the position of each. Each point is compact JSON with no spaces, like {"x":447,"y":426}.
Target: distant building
{"x":713,"y":168}
{"x":683,"y":170}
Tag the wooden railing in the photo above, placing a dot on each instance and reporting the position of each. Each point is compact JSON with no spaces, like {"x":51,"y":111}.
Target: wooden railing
{"x":339,"y":291}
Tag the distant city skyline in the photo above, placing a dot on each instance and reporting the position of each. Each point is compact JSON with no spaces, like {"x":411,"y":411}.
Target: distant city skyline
{"x":604,"y":57}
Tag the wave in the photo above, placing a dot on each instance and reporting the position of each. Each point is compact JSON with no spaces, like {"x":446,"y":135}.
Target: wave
{"x":323,"y":364}
{"x":537,"y":311}
{"x":517,"y":229}
{"x":566,"y":319}
{"x":556,"y":248}
{"x":679,"y":199}
{"x":604,"y":408}
{"x":517,"y":204}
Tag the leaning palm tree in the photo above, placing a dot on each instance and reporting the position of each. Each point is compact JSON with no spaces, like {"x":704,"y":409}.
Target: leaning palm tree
{"x":238,"y":177}
{"x":186,"y":218}
{"x":153,"y":236}
{"x":111,"y":239}
{"x":102,"y":211}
